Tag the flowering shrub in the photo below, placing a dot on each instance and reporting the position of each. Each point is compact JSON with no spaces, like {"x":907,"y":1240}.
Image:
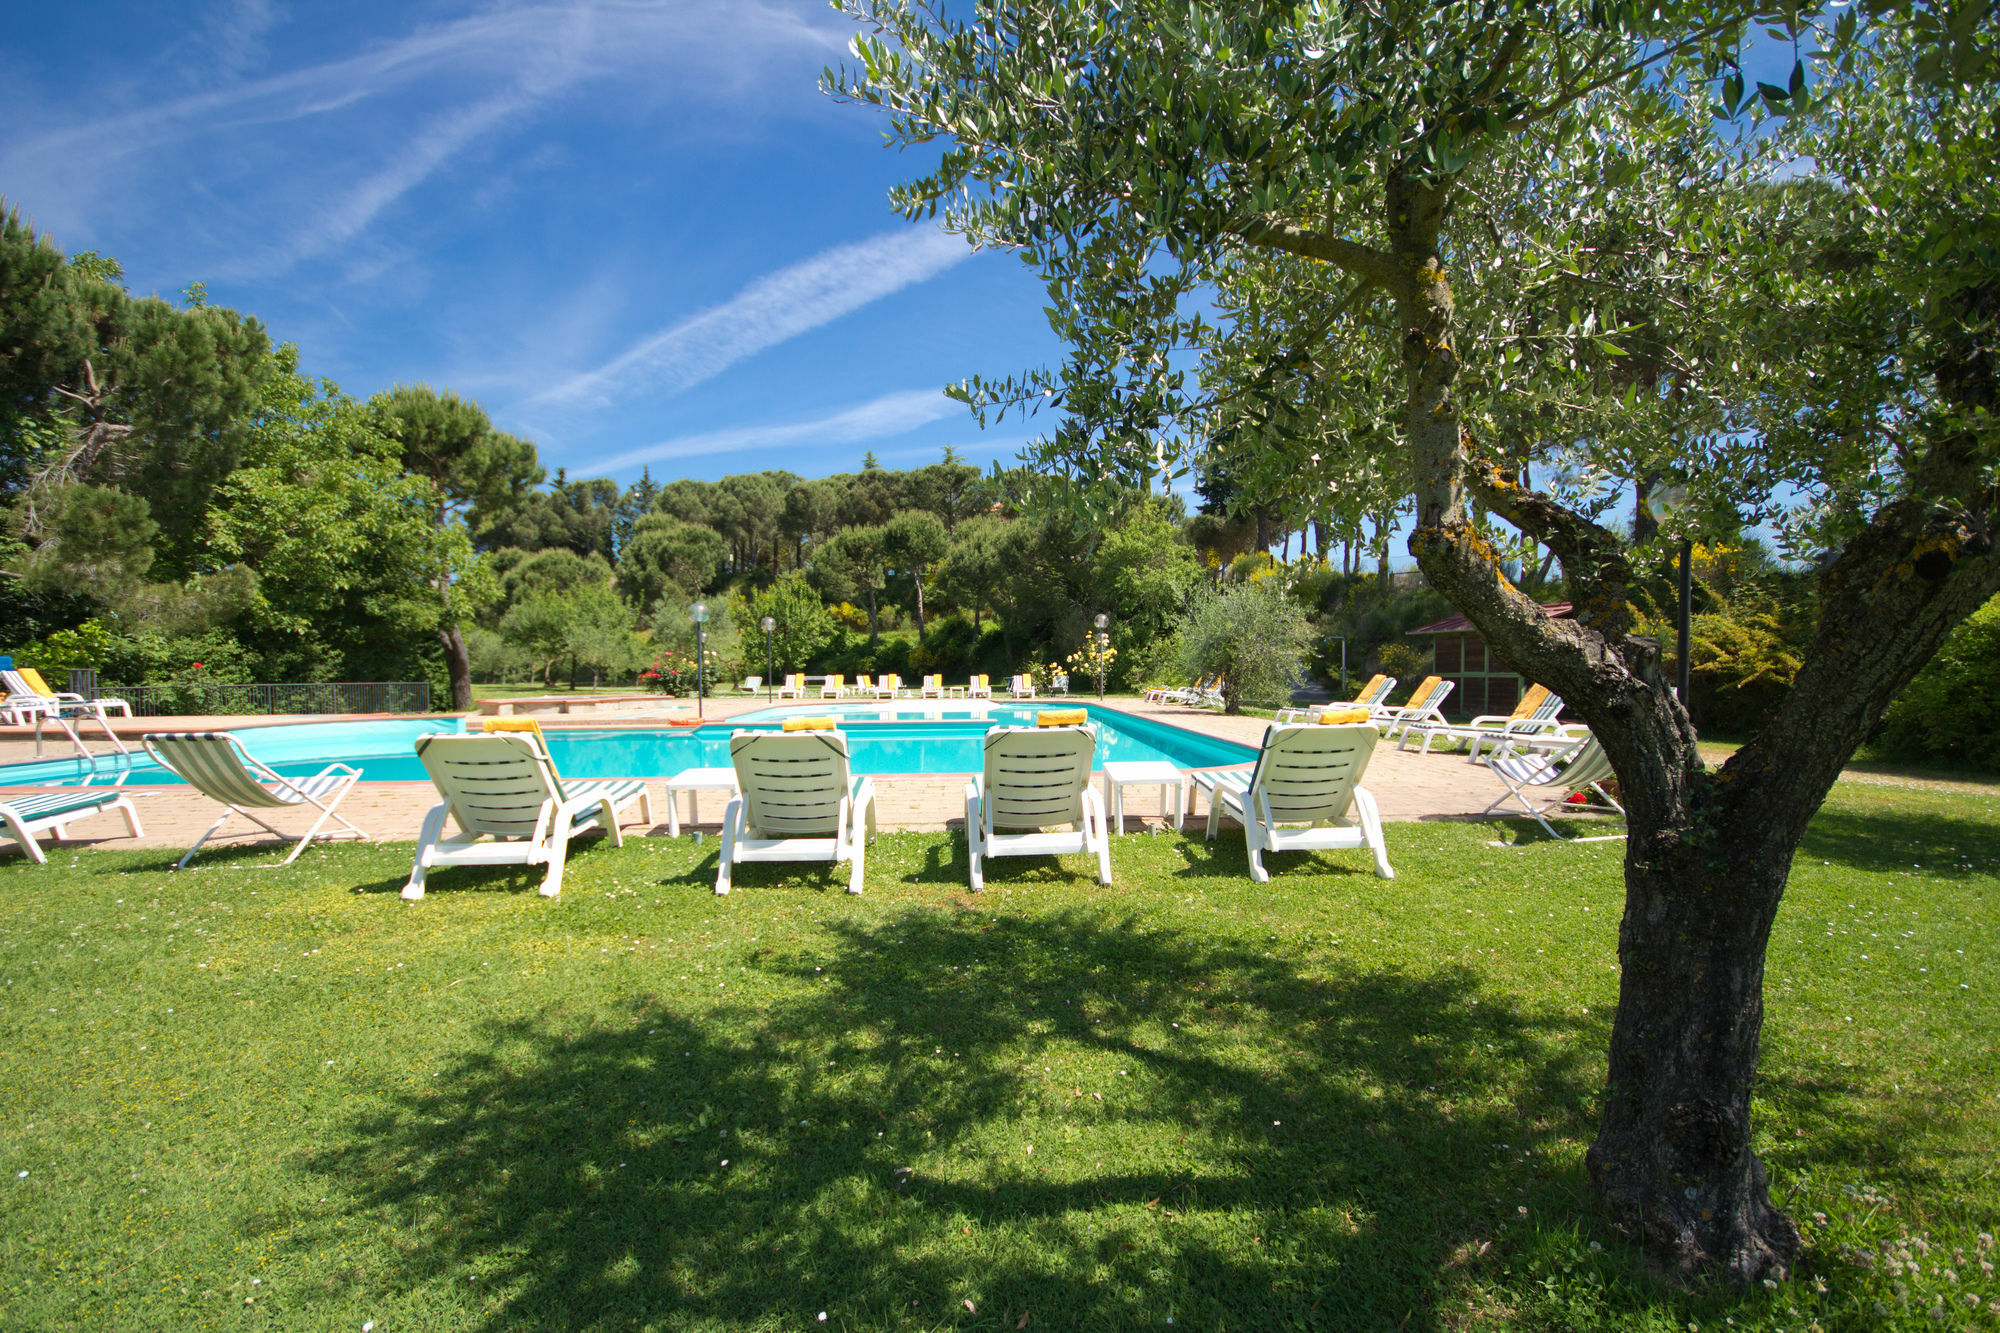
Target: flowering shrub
{"x":674,"y":673}
{"x":1091,"y":662}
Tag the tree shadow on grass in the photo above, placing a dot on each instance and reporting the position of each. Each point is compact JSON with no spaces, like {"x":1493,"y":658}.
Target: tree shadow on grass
{"x":1888,"y":841}
{"x":445,"y":880}
{"x":1215,"y":1136}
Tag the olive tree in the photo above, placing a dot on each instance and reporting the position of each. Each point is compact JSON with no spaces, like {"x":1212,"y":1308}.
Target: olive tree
{"x":1252,"y":636}
{"x":1392,"y":160}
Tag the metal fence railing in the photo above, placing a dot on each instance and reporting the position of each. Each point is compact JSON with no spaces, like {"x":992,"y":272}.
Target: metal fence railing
{"x":197,"y":699}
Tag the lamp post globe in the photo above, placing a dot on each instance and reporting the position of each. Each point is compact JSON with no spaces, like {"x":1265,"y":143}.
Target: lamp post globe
{"x":699,"y":614}
{"x":767,"y":624}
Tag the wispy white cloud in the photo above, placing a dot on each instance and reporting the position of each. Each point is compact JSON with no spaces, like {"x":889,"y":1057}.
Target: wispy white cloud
{"x":880,"y":418}
{"x":479,"y":73}
{"x":771,"y":310}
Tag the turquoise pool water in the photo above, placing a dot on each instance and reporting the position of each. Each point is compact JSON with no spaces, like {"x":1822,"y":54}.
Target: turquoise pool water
{"x":887,"y":740}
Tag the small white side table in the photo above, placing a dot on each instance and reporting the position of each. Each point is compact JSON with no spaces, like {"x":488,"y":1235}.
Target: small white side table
{"x":1173,"y":784}
{"x":692,"y":780}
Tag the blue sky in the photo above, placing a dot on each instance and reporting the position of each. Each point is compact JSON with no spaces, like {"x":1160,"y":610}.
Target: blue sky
{"x":636,"y":232}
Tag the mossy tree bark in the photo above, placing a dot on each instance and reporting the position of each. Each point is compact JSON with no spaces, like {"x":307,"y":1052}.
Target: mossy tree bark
{"x":1709,"y":853}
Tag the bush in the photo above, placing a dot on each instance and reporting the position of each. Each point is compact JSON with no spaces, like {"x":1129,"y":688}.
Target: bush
{"x":1253,"y":636}
{"x":1951,"y":711}
{"x":1409,"y":665}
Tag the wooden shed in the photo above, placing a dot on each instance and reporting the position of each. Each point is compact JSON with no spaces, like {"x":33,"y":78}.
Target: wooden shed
{"x":1483,"y":683}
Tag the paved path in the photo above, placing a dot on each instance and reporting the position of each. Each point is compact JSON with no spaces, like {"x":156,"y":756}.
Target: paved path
{"x":1407,"y":785}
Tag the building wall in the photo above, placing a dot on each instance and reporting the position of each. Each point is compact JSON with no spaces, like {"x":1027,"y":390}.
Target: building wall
{"x":1481,"y":683}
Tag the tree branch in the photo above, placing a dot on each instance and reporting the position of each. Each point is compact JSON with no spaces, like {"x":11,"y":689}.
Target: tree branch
{"x":1363,"y":261}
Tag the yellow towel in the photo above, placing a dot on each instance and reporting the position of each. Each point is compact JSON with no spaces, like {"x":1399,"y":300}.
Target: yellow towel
{"x":1374,"y":684}
{"x":1530,"y":701}
{"x":811,"y":723}
{"x":1422,"y":694}
{"x":527,"y":724}
{"x":1342,"y":716}
{"x":514,"y":724}
{"x":1062,"y":717}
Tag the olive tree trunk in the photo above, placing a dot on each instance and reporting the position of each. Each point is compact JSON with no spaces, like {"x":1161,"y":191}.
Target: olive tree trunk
{"x":1708,"y":854}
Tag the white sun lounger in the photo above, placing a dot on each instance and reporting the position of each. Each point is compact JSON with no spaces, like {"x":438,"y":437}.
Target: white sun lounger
{"x":504,"y":788}
{"x":1304,"y":774}
{"x":798,"y":801}
{"x":1033,"y":778}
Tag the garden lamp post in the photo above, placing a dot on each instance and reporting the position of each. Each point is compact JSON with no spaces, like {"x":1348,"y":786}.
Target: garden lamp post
{"x":1343,"y":660}
{"x":1103,"y":623}
{"x":699,"y":614}
{"x":767,"y":624}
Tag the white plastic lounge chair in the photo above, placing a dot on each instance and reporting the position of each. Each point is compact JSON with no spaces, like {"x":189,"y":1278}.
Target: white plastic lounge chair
{"x":1583,"y":767}
{"x":933,"y":687}
{"x":1035,"y":777}
{"x":978,"y":687}
{"x":798,"y":801}
{"x":1021,"y":687}
{"x":1304,"y":775}
{"x":1426,"y":705}
{"x":1059,"y":684}
{"x":215,"y":764}
{"x":30,"y":681}
{"x":1370,"y":697}
{"x":834,"y":687}
{"x":1534,"y":714}
{"x":750,"y":685}
{"x":22,"y":817}
{"x":886,"y":687}
{"x":793,"y":688}
{"x":505,"y":787}
{"x":29,"y":697}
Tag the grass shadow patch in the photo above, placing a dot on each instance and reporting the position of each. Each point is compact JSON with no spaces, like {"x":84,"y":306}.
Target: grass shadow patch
{"x":1076,"y":1116}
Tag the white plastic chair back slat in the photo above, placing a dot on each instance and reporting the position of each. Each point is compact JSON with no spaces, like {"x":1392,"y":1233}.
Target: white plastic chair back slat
{"x":496,"y":785}
{"x":1306,"y":774}
{"x":1034,"y":776}
{"x":792,"y":784}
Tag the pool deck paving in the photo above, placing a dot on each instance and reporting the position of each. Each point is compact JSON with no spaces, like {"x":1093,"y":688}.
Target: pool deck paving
{"x":1407,"y":785}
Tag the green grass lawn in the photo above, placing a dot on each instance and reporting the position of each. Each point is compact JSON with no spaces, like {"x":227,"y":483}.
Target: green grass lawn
{"x":236,"y":1097}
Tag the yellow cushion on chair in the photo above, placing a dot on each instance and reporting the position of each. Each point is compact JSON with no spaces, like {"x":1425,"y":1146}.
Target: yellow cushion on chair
{"x":527,"y":724}
{"x":811,"y":723}
{"x":1341,"y":717}
{"x":1062,"y":717}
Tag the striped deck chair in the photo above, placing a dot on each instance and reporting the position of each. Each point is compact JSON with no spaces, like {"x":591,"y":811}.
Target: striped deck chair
{"x":1307,"y":775}
{"x":215,"y":764}
{"x":505,"y":787}
{"x":1035,"y":777}
{"x":1583,"y":767}
{"x":1426,"y":705}
{"x":798,"y":800}
{"x":22,"y":817}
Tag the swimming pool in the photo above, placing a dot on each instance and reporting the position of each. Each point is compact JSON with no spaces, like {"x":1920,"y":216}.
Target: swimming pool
{"x":883,"y":740}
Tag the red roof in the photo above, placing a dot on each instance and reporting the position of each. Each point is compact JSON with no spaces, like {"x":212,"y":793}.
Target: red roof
{"x":1460,"y":625}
